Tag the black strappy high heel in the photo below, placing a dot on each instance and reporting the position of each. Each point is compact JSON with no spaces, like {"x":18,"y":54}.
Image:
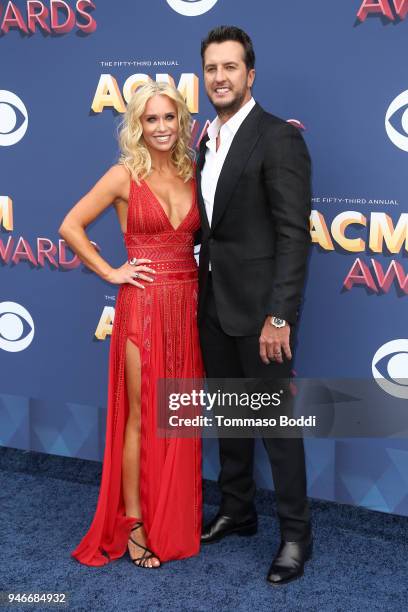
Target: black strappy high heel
{"x":147,"y":554}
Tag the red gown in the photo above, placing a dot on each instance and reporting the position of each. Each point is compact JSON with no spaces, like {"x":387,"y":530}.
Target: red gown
{"x":161,"y":321}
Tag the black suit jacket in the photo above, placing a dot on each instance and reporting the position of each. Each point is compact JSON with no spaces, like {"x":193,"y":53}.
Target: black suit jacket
{"x":259,"y":237}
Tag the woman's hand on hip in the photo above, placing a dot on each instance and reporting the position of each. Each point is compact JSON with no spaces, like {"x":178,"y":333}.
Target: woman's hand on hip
{"x":132,"y":272}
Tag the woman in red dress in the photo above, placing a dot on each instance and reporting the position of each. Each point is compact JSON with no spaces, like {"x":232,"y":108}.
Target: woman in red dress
{"x":150,"y":494}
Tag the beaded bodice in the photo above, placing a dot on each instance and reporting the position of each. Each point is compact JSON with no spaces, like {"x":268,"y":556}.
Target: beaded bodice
{"x":150,"y":235}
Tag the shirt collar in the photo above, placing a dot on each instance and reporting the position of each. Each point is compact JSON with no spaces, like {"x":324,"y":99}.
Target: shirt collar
{"x":233,"y":123}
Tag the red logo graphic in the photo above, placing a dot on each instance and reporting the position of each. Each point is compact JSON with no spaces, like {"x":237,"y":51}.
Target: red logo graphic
{"x":392,"y":9}
{"x":379,"y":280}
{"x":59,"y":18}
{"x":15,"y":251}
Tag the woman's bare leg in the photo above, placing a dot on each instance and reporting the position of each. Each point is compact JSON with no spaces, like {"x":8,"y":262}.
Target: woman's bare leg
{"x":131,"y":450}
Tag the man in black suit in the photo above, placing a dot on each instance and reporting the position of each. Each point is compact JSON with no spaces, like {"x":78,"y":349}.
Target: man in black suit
{"x":253,"y":173}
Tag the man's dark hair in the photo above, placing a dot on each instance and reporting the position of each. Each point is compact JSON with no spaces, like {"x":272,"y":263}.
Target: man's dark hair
{"x":224,"y":33}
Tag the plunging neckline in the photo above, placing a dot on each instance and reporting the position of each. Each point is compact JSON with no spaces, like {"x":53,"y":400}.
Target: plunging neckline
{"x":175,"y":229}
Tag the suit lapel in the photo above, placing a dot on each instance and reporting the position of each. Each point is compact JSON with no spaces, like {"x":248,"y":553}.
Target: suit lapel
{"x":241,"y":147}
{"x":199,"y":167}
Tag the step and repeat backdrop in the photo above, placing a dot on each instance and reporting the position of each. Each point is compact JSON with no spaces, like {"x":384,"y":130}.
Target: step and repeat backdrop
{"x":335,"y":70}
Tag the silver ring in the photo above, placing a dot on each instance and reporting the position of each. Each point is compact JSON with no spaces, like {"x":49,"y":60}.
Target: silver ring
{"x":280,"y":353}
{"x":136,"y":275}
{"x":133,"y":261}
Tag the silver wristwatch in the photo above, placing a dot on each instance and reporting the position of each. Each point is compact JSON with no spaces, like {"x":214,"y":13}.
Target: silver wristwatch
{"x":277,"y":322}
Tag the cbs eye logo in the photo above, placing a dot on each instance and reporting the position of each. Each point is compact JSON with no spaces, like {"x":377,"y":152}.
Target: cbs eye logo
{"x":16,"y":327}
{"x":398,"y":113}
{"x":13,"y":118}
{"x":191,"y":8}
{"x":390,"y":368}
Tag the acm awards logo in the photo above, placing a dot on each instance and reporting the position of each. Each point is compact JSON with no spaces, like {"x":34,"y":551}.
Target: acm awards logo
{"x":191,"y":8}
{"x":17,"y":250}
{"x":56,"y":17}
{"x":109,"y":95}
{"x":376,"y":233}
{"x":391,"y":9}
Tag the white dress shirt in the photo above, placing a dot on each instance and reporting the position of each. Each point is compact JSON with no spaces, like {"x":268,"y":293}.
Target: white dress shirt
{"x":214,"y":160}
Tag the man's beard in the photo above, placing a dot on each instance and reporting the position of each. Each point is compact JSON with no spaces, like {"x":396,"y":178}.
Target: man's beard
{"x":232,"y":107}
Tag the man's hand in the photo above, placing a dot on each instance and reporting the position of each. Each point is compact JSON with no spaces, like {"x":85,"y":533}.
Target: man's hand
{"x":273,"y":342}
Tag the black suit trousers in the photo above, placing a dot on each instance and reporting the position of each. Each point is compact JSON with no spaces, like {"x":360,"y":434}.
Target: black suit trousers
{"x":227,"y":356}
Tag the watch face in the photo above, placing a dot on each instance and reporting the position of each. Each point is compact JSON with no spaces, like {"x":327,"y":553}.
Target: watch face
{"x":278,"y":322}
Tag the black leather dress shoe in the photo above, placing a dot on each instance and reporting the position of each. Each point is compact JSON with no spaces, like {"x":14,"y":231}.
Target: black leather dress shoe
{"x":289,"y":561}
{"x":222,"y":526}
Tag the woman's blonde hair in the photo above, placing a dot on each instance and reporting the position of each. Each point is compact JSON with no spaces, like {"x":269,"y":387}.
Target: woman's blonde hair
{"x":135,"y":155}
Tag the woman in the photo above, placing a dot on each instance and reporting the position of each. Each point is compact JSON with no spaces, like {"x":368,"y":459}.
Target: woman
{"x":150,"y":494}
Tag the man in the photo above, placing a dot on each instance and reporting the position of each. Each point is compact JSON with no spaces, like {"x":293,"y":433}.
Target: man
{"x":253,"y":173}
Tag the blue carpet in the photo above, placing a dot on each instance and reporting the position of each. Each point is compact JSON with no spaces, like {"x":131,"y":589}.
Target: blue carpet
{"x":360,"y":561}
